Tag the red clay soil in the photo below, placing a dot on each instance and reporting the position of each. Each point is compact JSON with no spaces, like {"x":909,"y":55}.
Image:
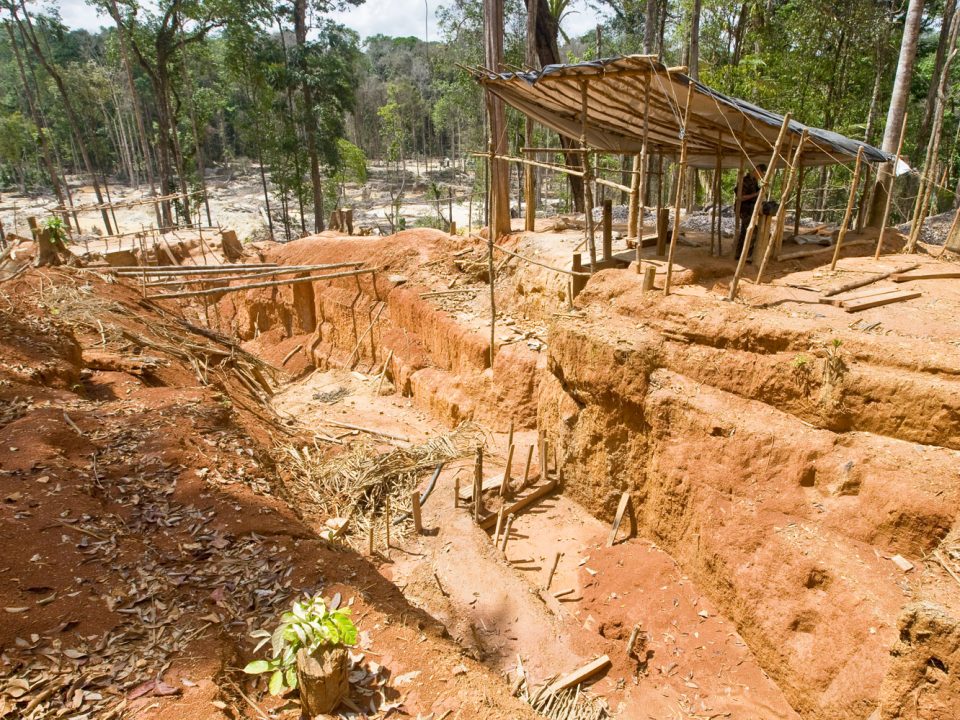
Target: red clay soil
{"x":139,"y":545}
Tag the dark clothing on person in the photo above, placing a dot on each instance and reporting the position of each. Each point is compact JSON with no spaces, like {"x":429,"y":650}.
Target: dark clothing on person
{"x":749,"y":188}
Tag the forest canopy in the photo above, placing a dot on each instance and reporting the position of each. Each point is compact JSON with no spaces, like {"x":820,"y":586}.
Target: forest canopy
{"x":168,"y":88}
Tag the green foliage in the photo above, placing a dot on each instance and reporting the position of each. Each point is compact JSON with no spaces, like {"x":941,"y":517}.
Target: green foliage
{"x":308,"y":625}
{"x":58,"y":232}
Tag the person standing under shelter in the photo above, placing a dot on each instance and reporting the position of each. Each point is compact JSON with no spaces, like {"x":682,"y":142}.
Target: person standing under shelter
{"x":747,"y":193}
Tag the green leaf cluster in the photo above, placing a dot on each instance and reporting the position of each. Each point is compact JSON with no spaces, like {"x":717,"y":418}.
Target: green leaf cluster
{"x":308,"y":625}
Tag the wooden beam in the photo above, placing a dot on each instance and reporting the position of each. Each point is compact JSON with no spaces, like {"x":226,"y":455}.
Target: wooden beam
{"x":626,"y":503}
{"x":868,"y":281}
{"x":901,"y":276}
{"x":679,"y":196}
{"x":576,"y":677}
{"x":542,"y":491}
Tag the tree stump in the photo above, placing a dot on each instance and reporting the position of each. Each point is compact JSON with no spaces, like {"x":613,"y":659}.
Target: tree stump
{"x":232,"y":249}
{"x":322,"y":679}
{"x":48,"y":252}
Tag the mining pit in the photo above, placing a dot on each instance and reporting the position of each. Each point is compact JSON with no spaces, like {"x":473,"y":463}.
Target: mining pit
{"x":785,"y":475}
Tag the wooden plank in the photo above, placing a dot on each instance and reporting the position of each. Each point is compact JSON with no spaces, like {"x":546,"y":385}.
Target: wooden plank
{"x":582,"y":673}
{"x":544,"y":490}
{"x":867,"y":303}
{"x":491,"y":483}
{"x":838,"y":301}
{"x":932,"y":275}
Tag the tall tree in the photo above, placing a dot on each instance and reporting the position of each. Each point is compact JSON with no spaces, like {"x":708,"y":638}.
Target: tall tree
{"x":497,"y":124}
{"x":898,"y":105}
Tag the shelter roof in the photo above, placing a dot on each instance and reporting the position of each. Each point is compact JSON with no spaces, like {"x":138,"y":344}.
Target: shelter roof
{"x":617,"y":99}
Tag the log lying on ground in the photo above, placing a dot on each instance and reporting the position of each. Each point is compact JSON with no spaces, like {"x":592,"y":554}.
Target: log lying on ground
{"x":868,"y":281}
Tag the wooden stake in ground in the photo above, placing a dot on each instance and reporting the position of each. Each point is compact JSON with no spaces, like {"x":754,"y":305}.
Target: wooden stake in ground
{"x":505,"y":483}
{"x":370,"y":539}
{"x":388,"y":521}
{"x":415,"y":507}
{"x":506,"y":533}
{"x":765,"y":183}
{"x":526,"y":467}
{"x":553,"y":570}
{"x":499,"y":528}
{"x":477,"y":484}
{"x":456,"y":491}
{"x":889,"y":200}
{"x":849,"y":211}
{"x":679,"y":196}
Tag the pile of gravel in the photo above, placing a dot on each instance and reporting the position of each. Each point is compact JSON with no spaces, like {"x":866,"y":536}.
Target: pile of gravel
{"x":935,"y":228}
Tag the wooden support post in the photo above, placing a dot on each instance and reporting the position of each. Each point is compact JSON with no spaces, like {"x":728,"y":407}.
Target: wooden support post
{"x":889,"y":199}
{"x":679,"y":197}
{"x":499,"y":528}
{"x":626,"y":504}
{"x":577,"y":282}
{"x":849,"y":211}
{"x":758,"y":206}
{"x":34,"y":226}
{"x":715,"y":211}
{"x":477,"y":484}
{"x":415,"y":508}
{"x":553,"y":571}
{"x":510,"y":435}
{"x":529,"y":189}
{"x":526,"y":467}
{"x":790,"y":176}
{"x":633,"y":209}
{"x":506,"y":533}
{"x":607,"y":230}
{"x":370,"y":538}
{"x":505,"y":483}
{"x":864,"y":198}
{"x":798,"y":208}
{"x":737,"y":203}
{"x":456,"y":491}
{"x":587,"y":180}
{"x":544,"y":459}
{"x":649,"y":275}
{"x":663,"y":229}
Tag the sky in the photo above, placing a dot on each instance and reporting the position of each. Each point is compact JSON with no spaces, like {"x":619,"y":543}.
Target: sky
{"x":386,"y":17}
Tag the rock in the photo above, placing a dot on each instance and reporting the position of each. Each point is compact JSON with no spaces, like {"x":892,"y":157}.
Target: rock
{"x":322,"y":679}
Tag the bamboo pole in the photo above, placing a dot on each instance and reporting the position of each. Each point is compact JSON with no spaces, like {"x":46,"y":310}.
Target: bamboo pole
{"x":758,"y":205}
{"x":491,"y":272}
{"x":679,"y":195}
{"x":849,"y":211}
{"x":889,"y":199}
{"x":254,"y":286}
{"x":782,"y":209}
{"x":249,"y":276}
{"x":715,"y":211}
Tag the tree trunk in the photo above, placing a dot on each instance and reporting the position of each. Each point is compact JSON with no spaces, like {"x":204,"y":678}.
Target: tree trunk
{"x":309,"y":115}
{"x":650,"y":27}
{"x":26,"y":30}
{"x":499,"y":170}
{"x":529,"y":189}
{"x":898,"y":106}
{"x":693,"y":66}
{"x":38,"y":122}
{"x":549,"y":54}
{"x":943,"y":47}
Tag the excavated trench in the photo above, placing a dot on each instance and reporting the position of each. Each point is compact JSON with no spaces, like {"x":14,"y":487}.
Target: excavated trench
{"x":774,"y":466}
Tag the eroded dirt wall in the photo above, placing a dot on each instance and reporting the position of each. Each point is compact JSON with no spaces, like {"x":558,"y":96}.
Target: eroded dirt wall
{"x":790,"y":526}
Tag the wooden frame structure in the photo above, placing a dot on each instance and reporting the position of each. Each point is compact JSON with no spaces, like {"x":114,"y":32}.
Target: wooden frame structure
{"x":635,"y":105}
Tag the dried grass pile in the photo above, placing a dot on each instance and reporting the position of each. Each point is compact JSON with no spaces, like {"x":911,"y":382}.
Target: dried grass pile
{"x":358,"y":483}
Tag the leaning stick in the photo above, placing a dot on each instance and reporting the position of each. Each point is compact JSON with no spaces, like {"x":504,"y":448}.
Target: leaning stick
{"x":506,"y":533}
{"x":505,"y":483}
{"x":254,"y":286}
{"x":366,"y":332}
{"x":526,"y":467}
{"x":782,"y":210}
{"x":889,"y":200}
{"x":286,"y":358}
{"x":849,"y":211}
{"x":755,"y":215}
{"x":679,"y":197}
